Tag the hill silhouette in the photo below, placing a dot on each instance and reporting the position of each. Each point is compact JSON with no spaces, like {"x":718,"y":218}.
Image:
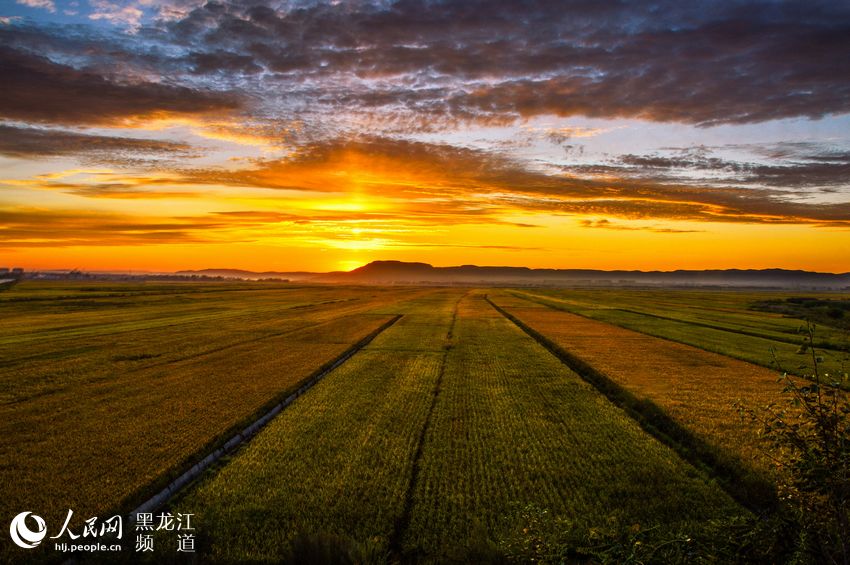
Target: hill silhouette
{"x":399,"y":272}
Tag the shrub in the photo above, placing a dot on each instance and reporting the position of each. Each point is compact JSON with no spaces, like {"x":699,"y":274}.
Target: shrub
{"x":808,"y":432}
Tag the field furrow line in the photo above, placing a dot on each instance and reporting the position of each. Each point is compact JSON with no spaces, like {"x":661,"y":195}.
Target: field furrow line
{"x":403,"y":521}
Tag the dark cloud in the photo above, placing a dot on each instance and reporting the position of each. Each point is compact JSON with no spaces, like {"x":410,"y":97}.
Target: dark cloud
{"x":37,"y":89}
{"x":415,"y":215}
{"x":118,"y":191}
{"x":798,"y":166}
{"x":59,"y":228}
{"x":25,"y":142}
{"x":703,"y":63}
{"x":732,"y":61}
{"x":609,"y":225}
{"x":107,"y":184}
{"x":223,"y":62}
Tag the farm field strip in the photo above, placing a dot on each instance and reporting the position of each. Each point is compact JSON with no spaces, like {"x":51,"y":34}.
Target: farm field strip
{"x":156,"y":319}
{"x":339,"y":460}
{"x":37,"y":291}
{"x":513,"y":426}
{"x":246,"y":434}
{"x":113,"y":438}
{"x":60,"y":289}
{"x":720,"y":307}
{"x":762,"y":347}
{"x":263,"y":324}
{"x":135,"y":320}
{"x":668,"y":382}
{"x":763,"y":326}
{"x":110,"y":306}
{"x":441,"y":421}
{"x":741,"y":485}
{"x":737,"y":324}
{"x":52,"y":364}
{"x":402,"y":523}
{"x":104,"y":318}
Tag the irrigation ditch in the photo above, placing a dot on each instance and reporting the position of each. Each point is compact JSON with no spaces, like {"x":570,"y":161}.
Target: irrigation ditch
{"x":162,"y":497}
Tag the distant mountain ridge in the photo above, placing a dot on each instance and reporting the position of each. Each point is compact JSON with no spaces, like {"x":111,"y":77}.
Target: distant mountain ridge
{"x":250,"y":275}
{"x":400,"y":272}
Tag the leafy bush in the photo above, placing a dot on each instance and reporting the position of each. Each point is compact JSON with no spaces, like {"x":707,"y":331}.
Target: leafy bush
{"x":809,"y":437}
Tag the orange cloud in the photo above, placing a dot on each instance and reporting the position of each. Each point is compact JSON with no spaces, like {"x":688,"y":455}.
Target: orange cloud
{"x":465,"y":182}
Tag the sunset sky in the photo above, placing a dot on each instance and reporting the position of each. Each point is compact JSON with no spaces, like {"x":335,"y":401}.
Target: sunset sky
{"x":283,"y":135}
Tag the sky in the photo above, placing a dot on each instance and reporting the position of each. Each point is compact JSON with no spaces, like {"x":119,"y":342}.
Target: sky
{"x":159,"y":135}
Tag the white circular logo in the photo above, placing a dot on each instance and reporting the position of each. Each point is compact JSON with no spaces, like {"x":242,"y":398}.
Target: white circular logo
{"x":22,"y":535}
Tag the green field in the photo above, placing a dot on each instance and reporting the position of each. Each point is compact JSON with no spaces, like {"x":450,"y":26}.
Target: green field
{"x":107,"y":391}
{"x":503,"y":424}
{"x":724,"y":322}
{"x":459,"y":433}
{"x":513,"y":427}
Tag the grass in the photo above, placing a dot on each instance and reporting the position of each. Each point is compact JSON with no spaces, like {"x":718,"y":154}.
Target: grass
{"x":435,"y":430}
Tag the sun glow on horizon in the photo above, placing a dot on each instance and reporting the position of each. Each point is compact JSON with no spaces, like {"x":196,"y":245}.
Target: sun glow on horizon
{"x":163,"y":150}
{"x":350,"y":264}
